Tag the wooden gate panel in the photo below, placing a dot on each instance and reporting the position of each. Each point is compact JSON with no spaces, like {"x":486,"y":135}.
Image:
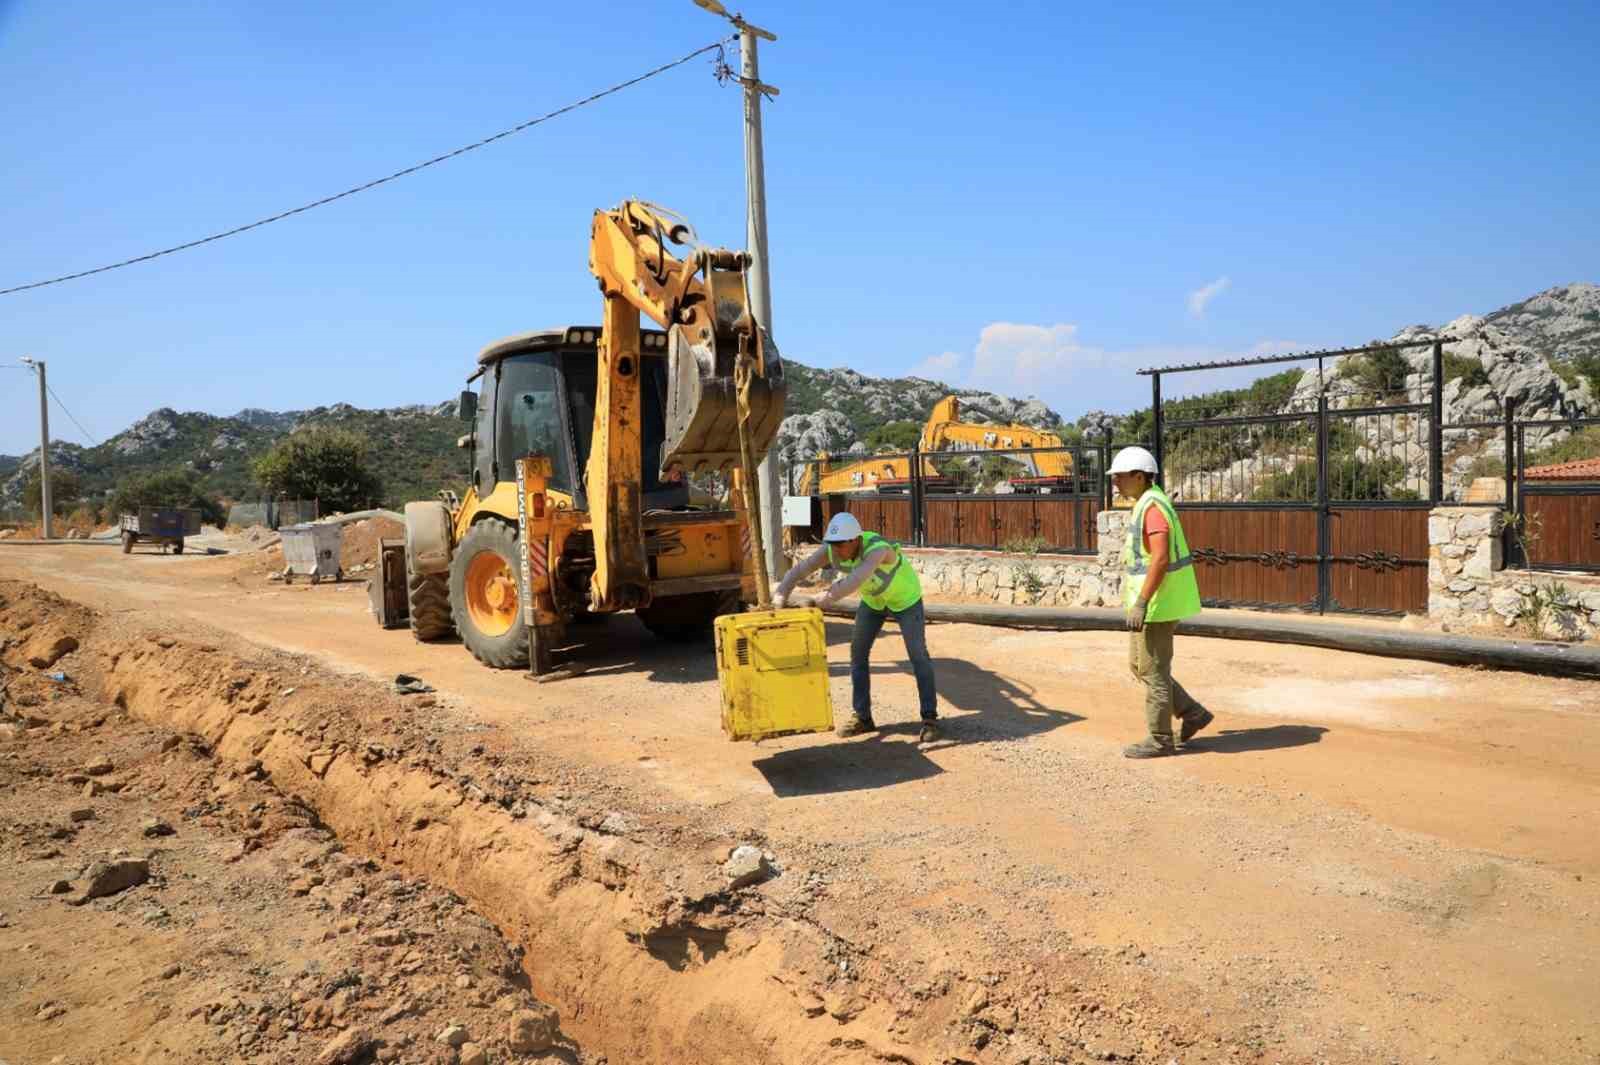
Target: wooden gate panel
{"x":1255,"y":556}
{"x":1066,"y":524}
{"x":1016,"y":520}
{"x":1564,"y":528}
{"x":1378,"y":559}
{"x":978,"y":524}
{"x":942,"y":514}
{"x":896,"y":519}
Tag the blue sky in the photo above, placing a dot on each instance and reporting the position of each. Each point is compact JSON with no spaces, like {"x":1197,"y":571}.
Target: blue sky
{"x":1037,"y":198}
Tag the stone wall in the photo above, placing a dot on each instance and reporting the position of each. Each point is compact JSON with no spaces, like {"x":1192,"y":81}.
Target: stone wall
{"x":1037,"y":580}
{"x":1468,"y":586}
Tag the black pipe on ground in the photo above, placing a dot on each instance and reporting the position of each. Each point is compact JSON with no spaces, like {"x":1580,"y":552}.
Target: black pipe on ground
{"x":1525,"y":656}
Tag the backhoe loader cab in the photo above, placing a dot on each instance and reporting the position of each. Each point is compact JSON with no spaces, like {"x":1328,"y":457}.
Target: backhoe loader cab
{"x":536,"y":396}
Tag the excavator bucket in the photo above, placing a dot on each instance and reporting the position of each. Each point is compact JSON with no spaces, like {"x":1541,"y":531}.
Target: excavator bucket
{"x":702,"y":398}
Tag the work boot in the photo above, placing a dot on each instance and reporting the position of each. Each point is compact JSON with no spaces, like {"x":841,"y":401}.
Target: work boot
{"x":931,"y":732}
{"x":1197,"y":719}
{"x":855,"y":726}
{"x":1147,"y":749}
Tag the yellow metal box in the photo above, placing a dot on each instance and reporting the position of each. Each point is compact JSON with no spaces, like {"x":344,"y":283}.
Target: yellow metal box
{"x":773,"y":665}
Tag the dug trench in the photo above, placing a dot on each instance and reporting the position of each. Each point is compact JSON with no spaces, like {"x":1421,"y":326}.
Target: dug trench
{"x":649,"y":948}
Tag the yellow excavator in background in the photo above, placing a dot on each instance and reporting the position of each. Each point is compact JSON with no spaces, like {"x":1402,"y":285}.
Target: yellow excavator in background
{"x":582,"y":445}
{"x":945,"y":432}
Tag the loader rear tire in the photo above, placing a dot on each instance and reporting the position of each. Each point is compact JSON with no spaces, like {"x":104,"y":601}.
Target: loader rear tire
{"x":428,"y":602}
{"x":687,"y":618}
{"x":484,"y":596}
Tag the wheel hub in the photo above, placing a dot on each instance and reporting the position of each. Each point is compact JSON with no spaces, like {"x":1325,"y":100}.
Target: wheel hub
{"x":492,"y":600}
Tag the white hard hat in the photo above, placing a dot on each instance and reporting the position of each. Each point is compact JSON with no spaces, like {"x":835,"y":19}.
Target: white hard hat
{"x":1134,"y":460}
{"x":844,"y":527}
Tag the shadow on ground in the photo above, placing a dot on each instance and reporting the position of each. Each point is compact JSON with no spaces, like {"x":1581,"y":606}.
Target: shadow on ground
{"x":1267,"y":738}
{"x":995,"y":708}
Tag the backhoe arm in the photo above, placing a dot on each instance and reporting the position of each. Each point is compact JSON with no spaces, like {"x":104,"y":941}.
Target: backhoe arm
{"x":725,"y":387}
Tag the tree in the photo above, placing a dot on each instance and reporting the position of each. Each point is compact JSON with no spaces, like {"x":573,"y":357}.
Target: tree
{"x":894,"y":436}
{"x":64,"y":490}
{"x":328,"y":465}
{"x":165,"y":488}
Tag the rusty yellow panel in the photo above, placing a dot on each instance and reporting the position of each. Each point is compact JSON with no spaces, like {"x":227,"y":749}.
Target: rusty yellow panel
{"x":773,"y":667}
{"x":709,"y":548}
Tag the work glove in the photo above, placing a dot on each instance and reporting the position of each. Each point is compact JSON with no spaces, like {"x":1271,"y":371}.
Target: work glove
{"x":1136,"y":614}
{"x":780,"y":600}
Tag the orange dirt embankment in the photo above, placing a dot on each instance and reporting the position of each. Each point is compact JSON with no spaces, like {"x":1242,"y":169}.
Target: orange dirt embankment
{"x":646,"y":950}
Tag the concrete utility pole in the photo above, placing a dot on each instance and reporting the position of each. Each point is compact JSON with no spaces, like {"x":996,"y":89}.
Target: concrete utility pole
{"x":44,"y":447}
{"x":770,"y":489}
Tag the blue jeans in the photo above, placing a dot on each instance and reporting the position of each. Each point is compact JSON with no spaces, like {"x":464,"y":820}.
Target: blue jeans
{"x":913,"y":626}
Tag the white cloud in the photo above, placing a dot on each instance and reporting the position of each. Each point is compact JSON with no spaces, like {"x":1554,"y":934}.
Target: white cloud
{"x":1051,"y":362}
{"x":942,"y":367}
{"x":1201,"y":297}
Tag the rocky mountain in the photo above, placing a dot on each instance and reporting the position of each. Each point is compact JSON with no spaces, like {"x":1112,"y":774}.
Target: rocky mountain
{"x":837,"y":410}
{"x":1562,"y":323}
{"x":1543,"y":353}
{"x":414,"y":447}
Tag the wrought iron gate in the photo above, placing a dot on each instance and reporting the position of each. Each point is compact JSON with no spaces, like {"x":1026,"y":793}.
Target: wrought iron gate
{"x":1310,"y":505}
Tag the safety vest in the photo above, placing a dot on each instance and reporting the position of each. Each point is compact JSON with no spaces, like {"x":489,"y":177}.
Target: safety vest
{"x":895,"y":586}
{"x":1178,"y":596}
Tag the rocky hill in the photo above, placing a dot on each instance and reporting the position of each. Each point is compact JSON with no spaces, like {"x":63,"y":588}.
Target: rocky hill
{"x":414,"y":447}
{"x":1543,"y":353}
{"x":838,"y":411}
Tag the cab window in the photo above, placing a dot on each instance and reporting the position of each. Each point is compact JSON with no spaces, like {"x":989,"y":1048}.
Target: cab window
{"x":528,"y":417}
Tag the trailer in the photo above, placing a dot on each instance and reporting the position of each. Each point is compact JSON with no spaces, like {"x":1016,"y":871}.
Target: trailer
{"x":166,"y":526}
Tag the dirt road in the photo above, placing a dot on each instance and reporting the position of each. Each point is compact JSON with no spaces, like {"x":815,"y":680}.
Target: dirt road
{"x":1367,"y":860}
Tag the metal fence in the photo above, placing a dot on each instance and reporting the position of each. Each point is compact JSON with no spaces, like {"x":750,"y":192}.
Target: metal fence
{"x":273,"y":513}
{"x":1036,"y":499}
{"x":1318,"y":499}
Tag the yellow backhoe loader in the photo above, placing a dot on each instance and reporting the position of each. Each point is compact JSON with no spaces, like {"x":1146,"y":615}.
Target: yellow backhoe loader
{"x":582,"y":445}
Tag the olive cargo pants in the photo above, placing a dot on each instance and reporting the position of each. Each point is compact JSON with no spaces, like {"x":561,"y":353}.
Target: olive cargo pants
{"x":1150,"y":658}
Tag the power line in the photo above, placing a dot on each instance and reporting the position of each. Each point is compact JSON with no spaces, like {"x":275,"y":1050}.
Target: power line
{"x":602,"y":94}
{"x":86,"y":434}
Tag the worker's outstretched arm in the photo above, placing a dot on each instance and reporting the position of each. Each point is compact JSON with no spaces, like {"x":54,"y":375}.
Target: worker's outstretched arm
{"x":846,"y":586}
{"x":801,"y":570}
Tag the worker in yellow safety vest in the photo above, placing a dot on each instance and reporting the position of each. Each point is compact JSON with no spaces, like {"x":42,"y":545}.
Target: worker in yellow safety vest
{"x":1158,"y":591}
{"x":888,"y":585}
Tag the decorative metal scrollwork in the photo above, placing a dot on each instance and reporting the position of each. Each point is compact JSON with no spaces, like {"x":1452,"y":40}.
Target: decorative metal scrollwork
{"x":1279,"y":559}
{"x":1270,"y":559}
{"x":1379,"y":561}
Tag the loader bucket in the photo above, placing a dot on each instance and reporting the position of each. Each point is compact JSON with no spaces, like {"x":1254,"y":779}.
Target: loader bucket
{"x":703,"y":402}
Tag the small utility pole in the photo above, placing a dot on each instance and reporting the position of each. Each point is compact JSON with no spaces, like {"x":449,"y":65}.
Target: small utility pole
{"x":44,"y":447}
{"x":770,"y":489}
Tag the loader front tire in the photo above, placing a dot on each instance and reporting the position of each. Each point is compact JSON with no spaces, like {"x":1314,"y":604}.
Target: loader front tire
{"x":484,"y":596}
{"x":428,"y":603}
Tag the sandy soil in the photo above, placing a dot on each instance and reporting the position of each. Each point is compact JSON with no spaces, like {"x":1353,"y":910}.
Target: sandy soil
{"x":245,"y":931}
{"x":1365,"y":860}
